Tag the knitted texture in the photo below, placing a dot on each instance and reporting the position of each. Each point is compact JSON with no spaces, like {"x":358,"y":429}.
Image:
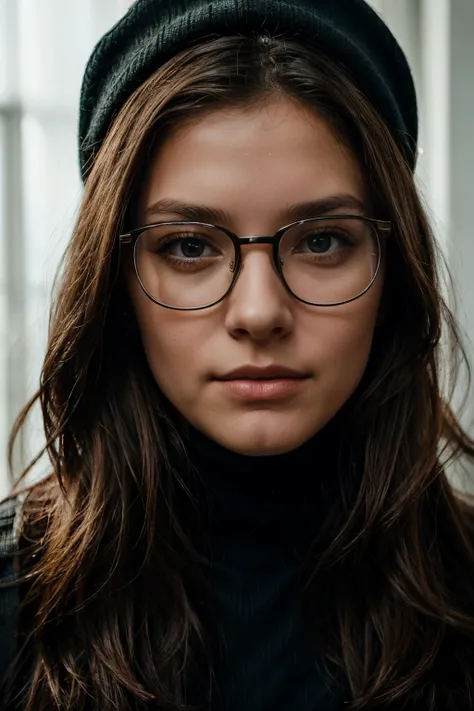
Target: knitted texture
{"x":153,"y":31}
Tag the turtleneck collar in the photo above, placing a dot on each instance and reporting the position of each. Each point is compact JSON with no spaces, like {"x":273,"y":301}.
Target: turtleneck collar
{"x":260,"y":474}
{"x":269,"y":502}
{"x":261,"y":515}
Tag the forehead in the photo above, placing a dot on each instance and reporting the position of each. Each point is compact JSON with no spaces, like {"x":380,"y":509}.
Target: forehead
{"x":257,"y":159}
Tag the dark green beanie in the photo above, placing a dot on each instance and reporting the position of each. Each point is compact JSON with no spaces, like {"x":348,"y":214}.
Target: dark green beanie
{"x":153,"y":31}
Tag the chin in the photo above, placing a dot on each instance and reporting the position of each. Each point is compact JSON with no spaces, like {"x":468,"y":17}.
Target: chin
{"x":268,"y":451}
{"x":261,"y":440}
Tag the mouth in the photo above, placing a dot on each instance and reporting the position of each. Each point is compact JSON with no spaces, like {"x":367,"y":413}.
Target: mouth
{"x":270,"y":383}
{"x":266,"y":373}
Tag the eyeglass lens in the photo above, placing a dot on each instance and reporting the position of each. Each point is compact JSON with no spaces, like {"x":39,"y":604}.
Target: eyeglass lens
{"x":322,"y":261}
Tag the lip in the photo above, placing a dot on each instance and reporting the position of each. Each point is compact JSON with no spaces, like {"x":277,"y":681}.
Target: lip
{"x":263,"y":389}
{"x":269,"y":372}
{"x":271,"y":382}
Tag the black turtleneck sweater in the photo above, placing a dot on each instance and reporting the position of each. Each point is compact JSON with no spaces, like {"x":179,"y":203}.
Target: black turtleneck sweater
{"x":262,"y":513}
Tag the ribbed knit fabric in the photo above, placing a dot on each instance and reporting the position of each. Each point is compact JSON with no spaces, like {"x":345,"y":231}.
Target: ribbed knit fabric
{"x":257,"y":517}
{"x":263,"y":514}
{"x":152,"y":31}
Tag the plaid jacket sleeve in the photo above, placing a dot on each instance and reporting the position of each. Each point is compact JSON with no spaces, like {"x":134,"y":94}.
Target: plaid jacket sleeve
{"x":9,"y":594}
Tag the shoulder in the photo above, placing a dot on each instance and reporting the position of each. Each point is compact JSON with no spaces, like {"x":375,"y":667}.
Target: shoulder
{"x":10,"y":524}
{"x":10,"y":516}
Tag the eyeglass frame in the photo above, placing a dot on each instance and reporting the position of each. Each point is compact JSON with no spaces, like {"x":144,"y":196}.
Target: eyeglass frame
{"x":382,"y":229}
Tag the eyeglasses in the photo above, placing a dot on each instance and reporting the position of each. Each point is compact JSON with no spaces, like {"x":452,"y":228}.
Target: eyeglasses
{"x":322,"y":261}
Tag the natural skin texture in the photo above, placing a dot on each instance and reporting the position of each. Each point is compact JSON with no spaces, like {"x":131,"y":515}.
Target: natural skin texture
{"x":254,"y":164}
{"x":109,"y":554}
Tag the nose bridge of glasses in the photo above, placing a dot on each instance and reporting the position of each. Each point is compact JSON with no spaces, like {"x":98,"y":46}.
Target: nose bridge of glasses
{"x":256,"y":240}
{"x":270,"y":260}
{"x":259,"y":239}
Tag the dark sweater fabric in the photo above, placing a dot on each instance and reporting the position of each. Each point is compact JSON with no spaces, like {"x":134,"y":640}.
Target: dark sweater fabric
{"x":261,"y":515}
{"x":256,"y":519}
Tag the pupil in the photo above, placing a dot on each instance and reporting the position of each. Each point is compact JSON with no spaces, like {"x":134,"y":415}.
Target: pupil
{"x":319,"y":243}
{"x":192,"y":248}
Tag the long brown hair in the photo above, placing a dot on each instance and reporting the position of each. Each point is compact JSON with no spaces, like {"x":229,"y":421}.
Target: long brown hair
{"x":111,"y":623}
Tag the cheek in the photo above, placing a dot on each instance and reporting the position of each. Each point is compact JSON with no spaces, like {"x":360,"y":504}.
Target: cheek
{"x":165,"y":343}
{"x":341,"y":342}
{"x":172,"y":343}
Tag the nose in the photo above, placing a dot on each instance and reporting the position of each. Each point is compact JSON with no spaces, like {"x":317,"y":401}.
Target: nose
{"x":259,"y":305}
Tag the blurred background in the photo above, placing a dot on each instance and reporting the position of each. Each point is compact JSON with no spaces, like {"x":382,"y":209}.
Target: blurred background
{"x":44,"y":46}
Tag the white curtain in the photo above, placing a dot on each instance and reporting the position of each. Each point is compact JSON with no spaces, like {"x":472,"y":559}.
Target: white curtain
{"x":44,"y":45}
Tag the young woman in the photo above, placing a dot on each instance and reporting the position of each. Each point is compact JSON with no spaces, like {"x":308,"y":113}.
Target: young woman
{"x":248,"y":507}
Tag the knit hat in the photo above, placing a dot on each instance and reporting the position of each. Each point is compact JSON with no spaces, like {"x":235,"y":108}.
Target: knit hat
{"x":152,"y":31}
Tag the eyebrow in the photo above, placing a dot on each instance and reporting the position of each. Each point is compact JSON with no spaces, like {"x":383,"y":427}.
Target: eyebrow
{"x":215,"y":215}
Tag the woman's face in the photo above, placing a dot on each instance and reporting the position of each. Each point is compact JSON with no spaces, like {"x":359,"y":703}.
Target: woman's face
{"x":254,"y":165}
